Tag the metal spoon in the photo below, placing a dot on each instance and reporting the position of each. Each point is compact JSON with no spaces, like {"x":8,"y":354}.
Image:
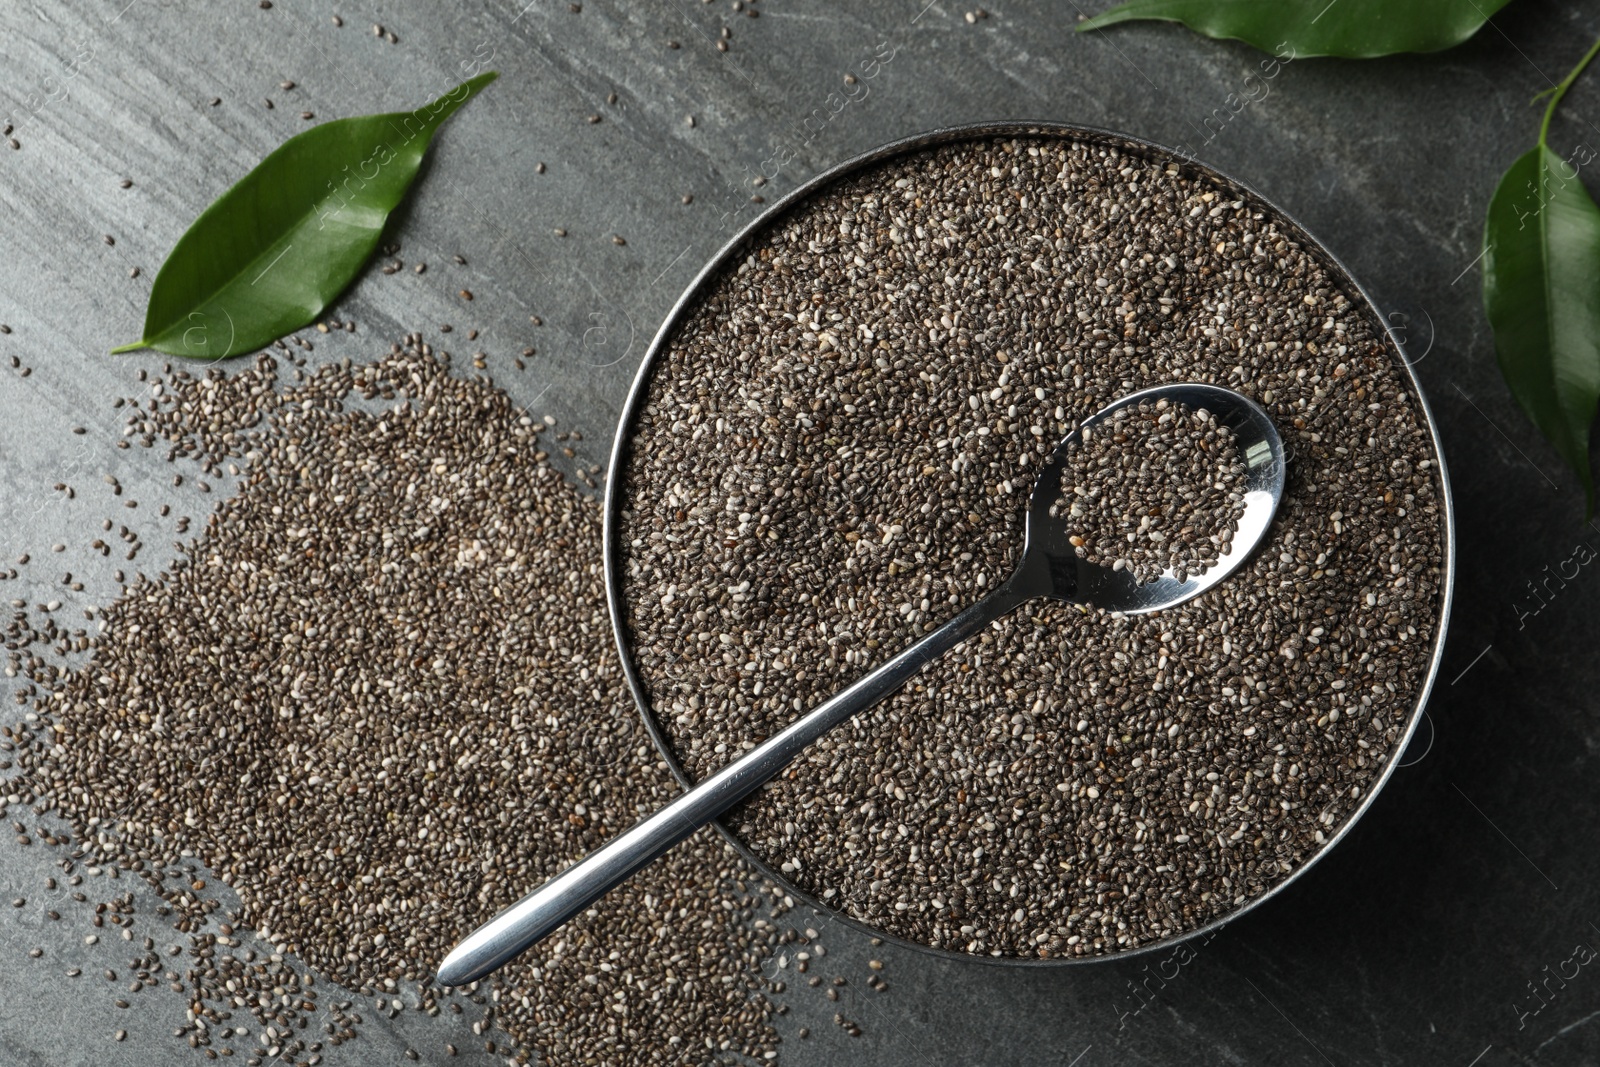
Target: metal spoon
{"x":1049,"y":568}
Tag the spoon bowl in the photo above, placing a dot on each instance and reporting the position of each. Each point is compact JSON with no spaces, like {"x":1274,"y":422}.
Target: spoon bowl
{"x":1050,"y":568}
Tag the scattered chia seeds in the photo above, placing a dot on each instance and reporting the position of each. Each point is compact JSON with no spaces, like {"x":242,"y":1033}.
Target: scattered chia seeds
{"x":379,"y":699}
{"x":1155,"y":487}
{"x":833,"y":454}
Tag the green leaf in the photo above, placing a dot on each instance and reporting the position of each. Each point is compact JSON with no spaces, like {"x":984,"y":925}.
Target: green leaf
{"x":1354,"y":29}
{"x":1541,"y":289}
{"x":273,"y":251}
{"x":1541,"y":262}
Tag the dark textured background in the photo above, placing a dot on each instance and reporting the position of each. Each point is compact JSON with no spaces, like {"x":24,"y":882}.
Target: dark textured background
{"x":1414,"y":942}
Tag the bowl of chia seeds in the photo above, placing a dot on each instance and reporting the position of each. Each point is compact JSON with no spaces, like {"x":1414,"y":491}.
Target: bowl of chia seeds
{"x":829,"y":451}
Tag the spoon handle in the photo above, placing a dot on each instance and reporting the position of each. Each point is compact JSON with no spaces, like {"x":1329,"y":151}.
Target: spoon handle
{"x":541,"y":912}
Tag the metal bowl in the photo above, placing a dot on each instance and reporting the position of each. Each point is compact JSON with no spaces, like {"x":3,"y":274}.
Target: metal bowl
{"x":817,"y":184}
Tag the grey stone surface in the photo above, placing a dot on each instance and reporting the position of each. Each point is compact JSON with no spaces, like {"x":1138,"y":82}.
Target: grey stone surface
{"x":1415,"y":942}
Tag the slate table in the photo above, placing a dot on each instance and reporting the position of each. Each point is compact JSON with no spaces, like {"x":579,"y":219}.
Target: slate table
{"x":1414,"y":942}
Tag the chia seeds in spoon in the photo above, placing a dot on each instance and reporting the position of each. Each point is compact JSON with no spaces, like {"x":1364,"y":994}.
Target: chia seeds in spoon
{"x":1158,"y":487}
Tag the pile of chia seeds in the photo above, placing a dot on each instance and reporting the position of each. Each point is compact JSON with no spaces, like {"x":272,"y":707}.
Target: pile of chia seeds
{"x":1154,"y":487}
{"x":378,"y":697}
{"x":832,"y":456}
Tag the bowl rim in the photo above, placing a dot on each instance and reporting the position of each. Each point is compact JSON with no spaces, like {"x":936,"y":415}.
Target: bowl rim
{"x":770,"y":215}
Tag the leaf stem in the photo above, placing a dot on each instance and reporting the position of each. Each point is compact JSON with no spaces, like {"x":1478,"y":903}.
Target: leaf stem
{"x":1561,"y":90}
{"x":134,"y":347}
